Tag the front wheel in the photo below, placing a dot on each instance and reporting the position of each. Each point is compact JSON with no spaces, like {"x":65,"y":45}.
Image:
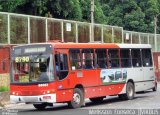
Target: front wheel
{"x":78,"y":98}
{"x":130,"y":91}
{"x":40,"y":106}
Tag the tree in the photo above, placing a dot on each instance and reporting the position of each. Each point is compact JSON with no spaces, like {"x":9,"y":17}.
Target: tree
{"x":150,"y":9}
{"x":10,"y":5}
{"x":65,"y":10}
{"x":99,"y":16}
{"x":134,"y":15}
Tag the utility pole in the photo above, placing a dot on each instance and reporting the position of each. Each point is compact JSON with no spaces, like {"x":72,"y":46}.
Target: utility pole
{"x":92,"y":20}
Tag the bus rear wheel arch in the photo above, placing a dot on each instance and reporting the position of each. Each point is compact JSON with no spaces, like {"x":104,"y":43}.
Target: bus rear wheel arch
{"x":78,"y":98}
{"x":130,"y":91}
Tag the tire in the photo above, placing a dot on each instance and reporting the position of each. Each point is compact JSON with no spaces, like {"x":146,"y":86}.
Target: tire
{"x":40,"y":106}
{"x":155,"y":88}
{"x":78,"y":99}
{"x":130,"y":91}
{"x":97,"y":99}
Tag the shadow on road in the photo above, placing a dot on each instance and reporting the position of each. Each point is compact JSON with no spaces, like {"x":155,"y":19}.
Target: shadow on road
{"x":65,"y":108}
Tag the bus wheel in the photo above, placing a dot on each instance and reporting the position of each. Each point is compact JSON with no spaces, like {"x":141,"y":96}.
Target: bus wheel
{"x":40,"y":106}
{"x":129,"y":91}
{"x":97,"y":99}
{"x":155,"y":87}
{"x":78,"y":99}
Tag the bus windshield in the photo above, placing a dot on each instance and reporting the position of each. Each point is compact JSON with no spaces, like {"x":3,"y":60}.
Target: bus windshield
{"x":32,"y":69}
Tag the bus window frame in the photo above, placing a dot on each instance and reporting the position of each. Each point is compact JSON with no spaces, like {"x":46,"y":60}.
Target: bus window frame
{"x":92,"y":60}
{"x":109,"y":58}
{"x":80,"y":60}
{"x":105,"y":59}
{"x":150,"y":58}
{"x":61,"y":51}
{"x":140,"y":54}
{"x":130,"y":57}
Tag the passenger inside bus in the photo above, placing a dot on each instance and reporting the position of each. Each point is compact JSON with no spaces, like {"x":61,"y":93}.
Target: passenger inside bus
{"x":57,"y":67}
{"x":88,"y":64}
{"x":110,"y":64}
{"x":102,"y":64}
{"x":43,"y":76}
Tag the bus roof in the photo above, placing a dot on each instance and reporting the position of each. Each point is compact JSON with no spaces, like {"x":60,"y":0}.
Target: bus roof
{"x":134,"y":45}
{"x":100,"y":45}
{"x":91,"y":45}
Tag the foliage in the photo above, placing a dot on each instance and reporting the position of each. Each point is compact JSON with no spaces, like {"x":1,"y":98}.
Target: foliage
{"x":134,"y":15}
{"x":4,"y":88}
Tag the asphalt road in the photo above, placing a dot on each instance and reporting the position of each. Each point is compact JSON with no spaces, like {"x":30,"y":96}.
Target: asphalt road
{"x":146,"y":100}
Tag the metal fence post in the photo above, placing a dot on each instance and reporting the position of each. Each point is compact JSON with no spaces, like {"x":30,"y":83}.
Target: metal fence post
{"x":8,"y":28}
{"x":76,"y":32}
{"x":46,"y":26}
{"x":62,"y":32}
{"x":29,"y":28}
{"x":102,"y":38}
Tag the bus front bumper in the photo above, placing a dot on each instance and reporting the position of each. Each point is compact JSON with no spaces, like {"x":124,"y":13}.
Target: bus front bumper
{"x":49,"y":98}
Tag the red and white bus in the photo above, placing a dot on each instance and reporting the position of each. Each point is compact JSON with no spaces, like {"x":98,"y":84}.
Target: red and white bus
{"x":55,"y":72}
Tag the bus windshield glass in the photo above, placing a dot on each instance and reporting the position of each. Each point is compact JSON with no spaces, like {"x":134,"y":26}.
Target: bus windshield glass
{"x":32,"y":68}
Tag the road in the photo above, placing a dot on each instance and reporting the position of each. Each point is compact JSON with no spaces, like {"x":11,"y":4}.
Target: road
{"x":145,"y":100}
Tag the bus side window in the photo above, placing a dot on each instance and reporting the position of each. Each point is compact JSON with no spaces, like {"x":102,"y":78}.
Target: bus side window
{"x":75,"y":59}
{"x":61,"y":63}
{"x":114,"y":58}
{"x":88,"y":58}
{"x":146,"y":57}
{"x":136,"y":57}
{"x":101,"y":58}
{"x":125,"y":58}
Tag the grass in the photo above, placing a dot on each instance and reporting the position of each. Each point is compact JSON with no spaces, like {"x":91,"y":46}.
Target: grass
{"x":4,"y":88}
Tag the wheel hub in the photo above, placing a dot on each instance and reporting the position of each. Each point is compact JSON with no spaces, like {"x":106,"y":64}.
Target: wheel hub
{"x":76,"y":98}
{"x":130,"y":91}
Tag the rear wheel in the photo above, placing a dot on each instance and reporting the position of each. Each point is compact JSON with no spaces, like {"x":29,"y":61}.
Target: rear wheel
{"x":40,"y":106}
{"x":78,"y":98}
{"x":130,"y":91}
{"x":97,"y":99}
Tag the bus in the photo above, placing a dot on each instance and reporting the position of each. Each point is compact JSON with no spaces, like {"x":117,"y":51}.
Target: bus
{"x":43,"y":74}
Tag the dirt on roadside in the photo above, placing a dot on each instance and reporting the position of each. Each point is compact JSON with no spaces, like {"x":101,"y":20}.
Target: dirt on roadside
{"x":4,"y":98}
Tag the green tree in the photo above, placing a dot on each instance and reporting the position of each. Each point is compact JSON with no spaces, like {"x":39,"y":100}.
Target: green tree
{"x":150,"y":9}
{"x":134,"y":15}
{"x":65,"y":10}
{"x":99,"y":16}
{"x":10,"y":5}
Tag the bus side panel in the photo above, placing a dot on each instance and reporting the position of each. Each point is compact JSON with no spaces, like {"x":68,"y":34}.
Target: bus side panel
{"x":107,"y":84}
{"x":64,"y":95}
{"x":105,"y":90}
{"x":136,"y":75}
{"x":149,"y":77}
